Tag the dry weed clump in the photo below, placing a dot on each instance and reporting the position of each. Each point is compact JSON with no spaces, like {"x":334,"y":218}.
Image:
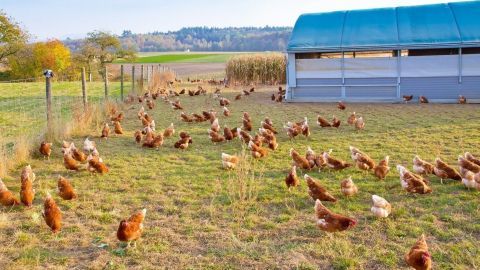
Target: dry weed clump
{"x":160,"y":80}
{"x":257,"y":69}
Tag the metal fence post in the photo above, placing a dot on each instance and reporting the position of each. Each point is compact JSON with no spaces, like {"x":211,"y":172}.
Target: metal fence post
{"x":105,"y":76}
{"x":121,"y":82}
{"x":84,"y":89}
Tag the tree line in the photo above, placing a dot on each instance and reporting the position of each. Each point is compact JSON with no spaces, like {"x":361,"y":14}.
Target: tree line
{"x":204,"y":39}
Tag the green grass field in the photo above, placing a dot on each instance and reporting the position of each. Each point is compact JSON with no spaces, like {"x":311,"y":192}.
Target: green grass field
{"x":203,"y":217}
{"x":184,"y":58}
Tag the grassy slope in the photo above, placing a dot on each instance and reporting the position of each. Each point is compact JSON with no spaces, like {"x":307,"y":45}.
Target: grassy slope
{"x":195,"y":218}
{"x":185,"y":58}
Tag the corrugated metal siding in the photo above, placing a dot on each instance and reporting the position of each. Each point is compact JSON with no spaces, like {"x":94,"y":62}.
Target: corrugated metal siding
{"x":318,"y":81}
{"x":381,"y":92}
{"x":324,"y":92}
{"x":431,"y":87}
{"x":364,"y":81}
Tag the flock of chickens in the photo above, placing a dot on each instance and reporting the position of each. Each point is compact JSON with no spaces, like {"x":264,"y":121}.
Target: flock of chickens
{"x":259,"y":144}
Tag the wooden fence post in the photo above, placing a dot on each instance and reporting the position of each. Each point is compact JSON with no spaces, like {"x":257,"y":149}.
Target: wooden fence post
{"x":121,"y":82}
{"x":48,"y":87}
{"x":141,"y":77}
{"x":105,"y":76}
{"x":133,"y":78}
{"x":84,"y":89}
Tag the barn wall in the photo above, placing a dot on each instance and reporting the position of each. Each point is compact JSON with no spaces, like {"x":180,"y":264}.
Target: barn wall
{"x":373,"y":79}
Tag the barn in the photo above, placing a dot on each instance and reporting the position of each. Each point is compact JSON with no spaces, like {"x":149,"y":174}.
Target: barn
{"x":379,"y":55}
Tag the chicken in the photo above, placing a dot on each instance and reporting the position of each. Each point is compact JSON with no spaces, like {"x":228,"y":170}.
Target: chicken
{"x":228,"y":134}
{"x":105,"y":130}
{"x":272,"y":97}
{"x":411,"y":182}
{"x":117,"y":128}
{"x":176,"y":105}
{"x":186,"y":118}
{"x":336,"y":122}
{"x":348,"y":187}
{"x":252,"y":89}
{"x":334,"y":163}
{"x":117,"y":118}
{"x":226,"y":112}
{"x":244,"y":136}
{"x":131,"y":229}
{"x":141,"y":113}
{"x":246,"y":93}
{"x":45,"y":149}
{"x":305,"y":128}
{"x":364,"y":162}
{"x":6,"y":196}
{"x":418,"y":257}
{"x":381,"y":208}
{"x":382,"y":169}
{"x":352,"y":119}
{"x":78,"y":155}
{"x":235,"y":132}
{"x":238,"y":97}
{"x":247,"y":125}
{"x":292,"y":179}
{"x":422,"y":167}
{"x":215,"y":137}
{"x":299,"y":161}
{"x":184,"y":142}
{"x":462,"y":100}
{"x":423,"y":99}
{"x":407,"y":98}
{"x":360,"y":124}
{"x":169,"y":131}
{"x":52,"y":214}
{"x":292,"y":131}
{"x":138,"y":136}
{"x":257,"y":151}
{"x":268,"y":126}
{"x":88,"y":145}
{"x":95,"y":164}
{"x":215,"y":126}
{"x":27,"y":193}
{"x":472,"y":158}
{"x":467,"y":165}
{"x":224,"y":102}
{"x":310,"y":156}
{"x":317,"y":191}
{"x":69,"y":162}
{"x":328,"y":221}
{"x":341,"y":105}
{"x":229,"y":161}
{"x":150,"y":104}
{"x":444,"y":171}
{"x":182,"y":92}
{"x":65,"y":189}
{"x":156,"y":142}
{"x":322,"y":122}
{"x":470,"y":181}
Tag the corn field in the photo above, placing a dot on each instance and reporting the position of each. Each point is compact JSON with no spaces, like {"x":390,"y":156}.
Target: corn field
{"x":257,"y":69}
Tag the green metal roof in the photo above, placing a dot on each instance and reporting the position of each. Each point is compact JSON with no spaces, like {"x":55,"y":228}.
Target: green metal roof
{"x":439,"y":25}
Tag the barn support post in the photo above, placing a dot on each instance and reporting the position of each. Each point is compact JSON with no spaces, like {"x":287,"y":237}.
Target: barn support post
{"x":121,"y":82}
{"x":460,"y":65}
{"x":291,"y":77}
{"x":84,"y":89}
{"x":399,"y":72}
{"x":343,"y":74}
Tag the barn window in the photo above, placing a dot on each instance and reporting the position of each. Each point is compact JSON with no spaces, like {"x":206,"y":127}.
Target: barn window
{"x":433,"y":52}
{"x":471,"y":50}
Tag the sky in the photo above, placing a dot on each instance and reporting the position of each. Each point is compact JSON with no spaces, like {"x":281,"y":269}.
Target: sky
{"x":45,"y":19}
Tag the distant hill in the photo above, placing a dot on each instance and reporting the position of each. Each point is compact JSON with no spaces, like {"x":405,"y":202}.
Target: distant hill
{"x":239,"y":39}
